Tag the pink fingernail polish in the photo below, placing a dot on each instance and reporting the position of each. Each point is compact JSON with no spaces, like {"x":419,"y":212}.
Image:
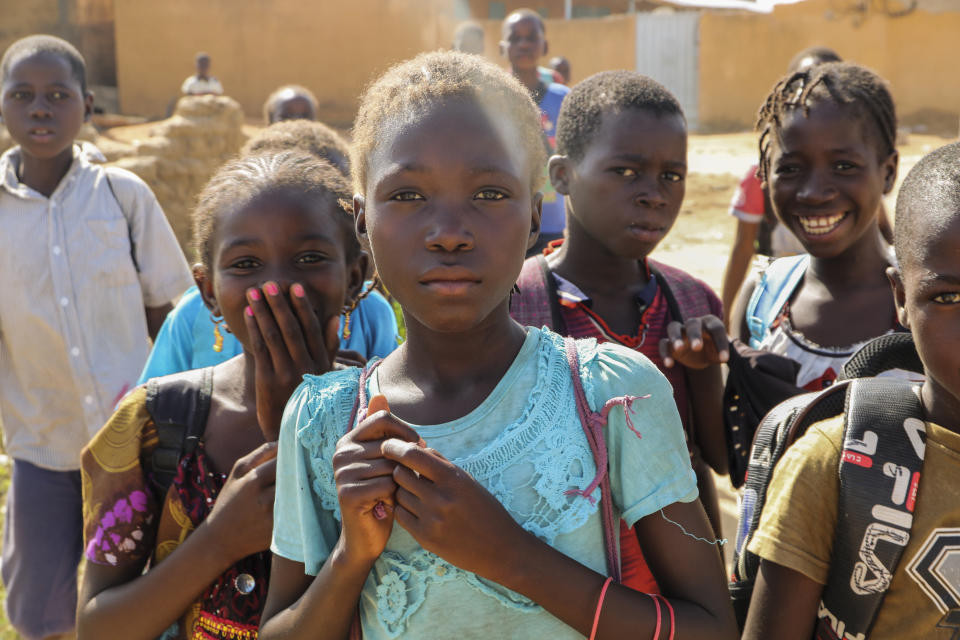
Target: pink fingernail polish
{"x":297,"y":290}
{"x":271,"y":288}
{"x":254,"y":294}
{"x":248,"y":311}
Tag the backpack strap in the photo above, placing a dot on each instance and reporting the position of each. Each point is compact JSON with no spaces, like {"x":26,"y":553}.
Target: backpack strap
{"x":777,"y":431}
{"x":535,"y":305}
{"x":880,"y":467}
{"x":593,"y":423}
{"x":179,"y":406}
{"x":126,"y":216}
{"x":777,"y":283}
{"x":684,"y":294}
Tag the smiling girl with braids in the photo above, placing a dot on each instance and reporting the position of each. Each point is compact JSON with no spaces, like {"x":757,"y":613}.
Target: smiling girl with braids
{"x":828,"y":156}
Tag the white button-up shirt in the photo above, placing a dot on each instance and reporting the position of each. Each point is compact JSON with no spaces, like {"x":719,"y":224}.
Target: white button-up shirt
{"x":194,"y":86}
{"x":76,"y":272}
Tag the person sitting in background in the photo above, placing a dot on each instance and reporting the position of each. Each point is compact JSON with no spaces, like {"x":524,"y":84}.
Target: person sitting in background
{"x":290,"y":102}
{"x":201,"y":83}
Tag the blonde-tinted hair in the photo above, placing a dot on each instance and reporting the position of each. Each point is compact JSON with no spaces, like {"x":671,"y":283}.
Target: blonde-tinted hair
{"x":413,"y":88}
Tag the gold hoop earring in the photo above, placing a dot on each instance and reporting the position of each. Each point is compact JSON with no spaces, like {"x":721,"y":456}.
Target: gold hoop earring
{"x":217,"y":336}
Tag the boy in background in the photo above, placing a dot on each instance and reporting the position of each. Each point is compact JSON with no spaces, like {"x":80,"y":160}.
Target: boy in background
{"x":621,"y":164}
{"x":523,"y":43}
{"x":88,"y":267}
{"x":201,"y":83}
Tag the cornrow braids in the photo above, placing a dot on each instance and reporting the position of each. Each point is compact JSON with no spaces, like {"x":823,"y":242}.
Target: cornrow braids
{"x":845,"y":84}
{"x":312,"y":137}
{"x":292,"y":175}
{"x":411,"y":89}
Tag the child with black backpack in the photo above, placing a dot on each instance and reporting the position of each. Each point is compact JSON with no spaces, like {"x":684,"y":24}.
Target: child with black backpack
{"x":180,"y":481}
{"x":622,"y":143}
{"x":871,"y":549}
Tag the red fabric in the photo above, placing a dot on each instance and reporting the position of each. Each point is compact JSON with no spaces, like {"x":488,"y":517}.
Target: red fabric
{"x":581,"y":322}
{"x":694,"y":299}
{"x":749,"y":197}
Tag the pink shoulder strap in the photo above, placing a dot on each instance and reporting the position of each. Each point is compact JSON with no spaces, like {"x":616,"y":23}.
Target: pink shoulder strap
{"x":593,"y":423}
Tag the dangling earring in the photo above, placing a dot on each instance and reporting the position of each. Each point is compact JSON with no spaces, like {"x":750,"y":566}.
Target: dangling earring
{"x":217,"y":336}
{"x":346,"y":325}
{"x":346,"y":319}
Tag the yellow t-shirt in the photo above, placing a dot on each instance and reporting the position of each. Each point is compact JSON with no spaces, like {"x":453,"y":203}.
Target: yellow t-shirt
{"x":800,"y":517}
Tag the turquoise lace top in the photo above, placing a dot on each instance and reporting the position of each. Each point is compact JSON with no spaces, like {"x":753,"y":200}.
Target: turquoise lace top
{"x":524,"y":443}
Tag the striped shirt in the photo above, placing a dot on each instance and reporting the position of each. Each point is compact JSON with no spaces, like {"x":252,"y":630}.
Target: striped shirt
{"x":76,"y":272}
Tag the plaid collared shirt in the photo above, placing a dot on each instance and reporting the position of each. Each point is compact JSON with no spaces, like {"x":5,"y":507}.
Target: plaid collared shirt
{"x":76,"y":272}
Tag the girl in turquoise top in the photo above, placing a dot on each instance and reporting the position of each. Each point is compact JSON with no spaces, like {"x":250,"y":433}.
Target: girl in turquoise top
{"x":451,"y":507}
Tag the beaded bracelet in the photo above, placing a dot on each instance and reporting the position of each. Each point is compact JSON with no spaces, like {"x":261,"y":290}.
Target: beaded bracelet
{"x":596,"y":616}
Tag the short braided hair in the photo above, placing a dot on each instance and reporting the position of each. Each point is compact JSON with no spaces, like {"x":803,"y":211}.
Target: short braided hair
{"x":250,"y":180}
{"x":315,"y":138}
{"x":411,"y":89}
{"x":44,"y":44}
{"x":607,"y":92}
{"x":928,"y":201}
{"x":848,"y":85}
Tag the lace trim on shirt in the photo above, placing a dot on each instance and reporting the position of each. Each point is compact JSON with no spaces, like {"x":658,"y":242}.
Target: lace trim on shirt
{"x":528,"y":467}
{"x":330,"y":403}
{"x":402,"y":587}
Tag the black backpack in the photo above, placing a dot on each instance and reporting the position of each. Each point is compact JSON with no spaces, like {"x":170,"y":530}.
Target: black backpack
{"x":883,"y":422}
{"x":179,"y":406}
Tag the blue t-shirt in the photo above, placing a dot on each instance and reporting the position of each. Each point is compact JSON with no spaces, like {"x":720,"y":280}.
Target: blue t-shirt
{"x":185,"y":340}
{"x":553,"y":219}
{"x":525,"y":444}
